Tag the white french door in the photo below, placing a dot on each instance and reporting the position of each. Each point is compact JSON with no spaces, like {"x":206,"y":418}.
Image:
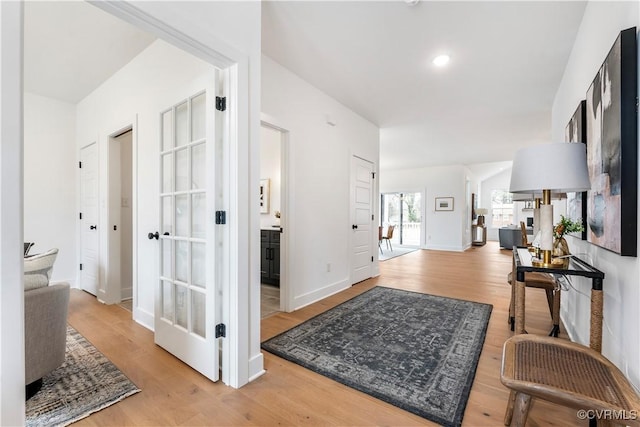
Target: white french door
{"x":89,"y":215}
{"x":185,"y":309}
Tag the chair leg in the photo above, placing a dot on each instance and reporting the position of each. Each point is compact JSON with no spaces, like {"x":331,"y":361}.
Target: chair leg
{"x":521,"y":410}
{"x":556,"y":312}
{"x":508,"y":415}
{"x":380,"y":247}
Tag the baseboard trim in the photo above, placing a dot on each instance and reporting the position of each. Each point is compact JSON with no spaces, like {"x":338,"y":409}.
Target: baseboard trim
{"x":256,"y":367}
{"x":314,"y":296}
{"x":144,"y":318}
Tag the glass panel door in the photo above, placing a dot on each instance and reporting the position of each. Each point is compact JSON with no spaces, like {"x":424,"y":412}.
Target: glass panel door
{"x":184,"y":311}
{"x":404,"y":212}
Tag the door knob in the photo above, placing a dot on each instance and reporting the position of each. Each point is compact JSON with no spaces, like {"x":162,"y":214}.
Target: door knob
{"x":93,"y":227}
{"x":152,"y":236}
{"x":354,"y":226}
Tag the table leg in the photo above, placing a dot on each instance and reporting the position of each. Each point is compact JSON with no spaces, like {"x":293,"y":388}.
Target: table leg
{"x":595,"y":333}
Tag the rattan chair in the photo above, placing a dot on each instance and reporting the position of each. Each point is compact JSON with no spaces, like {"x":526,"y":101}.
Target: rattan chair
{"x":568,"y":374}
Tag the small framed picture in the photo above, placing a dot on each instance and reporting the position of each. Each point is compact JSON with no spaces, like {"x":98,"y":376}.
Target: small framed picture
{"x":444,"y":203}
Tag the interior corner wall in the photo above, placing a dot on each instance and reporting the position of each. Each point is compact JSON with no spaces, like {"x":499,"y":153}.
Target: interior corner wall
{"x":442,"y":230}
{"x":601,"y":24}
{"x":132,"y":95}
{"x":270,"y":168}
{"x":232,"y":30}
{"x":50,"y":164}
{"x":319,"y":217}
{"x":126,"y":215}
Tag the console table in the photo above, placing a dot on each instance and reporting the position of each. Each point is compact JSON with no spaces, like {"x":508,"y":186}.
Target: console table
{"x":573,"y":266}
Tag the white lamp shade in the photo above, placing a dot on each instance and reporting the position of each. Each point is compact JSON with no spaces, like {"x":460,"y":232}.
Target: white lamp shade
{"x":481,"y":211}
{"x":559,"y":167}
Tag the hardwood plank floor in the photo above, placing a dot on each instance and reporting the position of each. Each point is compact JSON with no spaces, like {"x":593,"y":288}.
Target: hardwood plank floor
{"x":173,"y":394}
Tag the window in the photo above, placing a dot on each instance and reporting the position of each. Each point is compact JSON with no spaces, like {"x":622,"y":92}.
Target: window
{"x":501,"y":208}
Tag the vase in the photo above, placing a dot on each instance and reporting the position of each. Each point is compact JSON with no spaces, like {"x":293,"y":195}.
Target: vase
{"x":560,"y":247}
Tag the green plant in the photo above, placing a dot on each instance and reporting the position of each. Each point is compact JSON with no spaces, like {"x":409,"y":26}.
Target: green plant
{"x":566,"y":225}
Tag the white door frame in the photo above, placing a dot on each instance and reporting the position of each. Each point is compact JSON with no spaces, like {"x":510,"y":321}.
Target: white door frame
{"x":12,"y":404}
{"x":243,"y":333}
{"x":286,"y":220}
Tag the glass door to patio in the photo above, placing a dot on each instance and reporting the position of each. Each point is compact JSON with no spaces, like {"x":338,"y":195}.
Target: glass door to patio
{"x":404,"y":211}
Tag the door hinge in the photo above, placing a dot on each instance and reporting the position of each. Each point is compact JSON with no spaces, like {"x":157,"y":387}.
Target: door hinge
{"x":373,"y":175}
{"x":221,"y":103}
{"x":221,"y":217}
{"x":221,"y":330}
{"x":80,"y":165}
{"x":371,"y":259}
{"x":371,"y":217}
{"x":80,"y":215}
{"x":80,"y":266}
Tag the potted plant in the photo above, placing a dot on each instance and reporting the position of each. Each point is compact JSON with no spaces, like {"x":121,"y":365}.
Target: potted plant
{"x":566,"y":225}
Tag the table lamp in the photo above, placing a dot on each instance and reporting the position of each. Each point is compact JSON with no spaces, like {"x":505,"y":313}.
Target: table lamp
{"x":547,"y":168}
{"x":481,"y":213}
{"x":537,"y":199}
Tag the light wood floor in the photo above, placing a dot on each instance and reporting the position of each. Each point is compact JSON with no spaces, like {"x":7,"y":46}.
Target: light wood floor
{"x":289,"y":395}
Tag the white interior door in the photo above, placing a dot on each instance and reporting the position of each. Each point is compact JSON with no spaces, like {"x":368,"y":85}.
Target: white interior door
{"x":185,"y":315}
{"x":89,"y":241}
{"x":361,"y":219}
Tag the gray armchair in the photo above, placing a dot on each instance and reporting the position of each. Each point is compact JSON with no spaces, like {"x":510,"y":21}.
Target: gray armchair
{"x":45,"y":325}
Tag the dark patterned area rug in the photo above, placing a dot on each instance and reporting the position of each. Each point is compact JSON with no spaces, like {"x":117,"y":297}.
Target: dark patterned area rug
{"x":85,"y":383}
{"x":416,"y":351}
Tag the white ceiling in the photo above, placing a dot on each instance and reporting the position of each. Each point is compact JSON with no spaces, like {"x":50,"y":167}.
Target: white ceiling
{"x":495,"y":95}
{"x":72,"y":47}
{"x":374,"y":57}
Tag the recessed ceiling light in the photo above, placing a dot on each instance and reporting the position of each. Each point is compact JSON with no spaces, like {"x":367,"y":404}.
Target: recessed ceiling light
{"x":441,"y":60}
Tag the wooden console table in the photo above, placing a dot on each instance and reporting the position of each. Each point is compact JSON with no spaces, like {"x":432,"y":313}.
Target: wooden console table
{"x":478,"y":240}
{"x":574,"y":267}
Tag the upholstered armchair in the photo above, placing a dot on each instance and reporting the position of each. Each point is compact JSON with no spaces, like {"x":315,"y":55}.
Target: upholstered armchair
{"x":45,"y":320}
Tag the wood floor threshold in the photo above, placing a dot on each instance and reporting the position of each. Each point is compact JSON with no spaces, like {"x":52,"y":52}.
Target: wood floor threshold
{"x":289,"y":395}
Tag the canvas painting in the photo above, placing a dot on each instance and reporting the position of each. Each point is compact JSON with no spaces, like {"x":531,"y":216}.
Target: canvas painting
{"x":612,"y":149}
{"x":577,"y":202}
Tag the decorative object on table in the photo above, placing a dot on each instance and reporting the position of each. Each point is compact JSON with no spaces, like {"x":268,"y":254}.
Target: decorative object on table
{"x":576,"y":132}
{"x":528,"y":205}
{"x":416,"y":351}
{"x":481,"y":213}
{"x":444,"y":203}
{"x":612,"y":144}
{"x":555,"y":167}
{"x":86,"y":383}
{"x":264,"y":195}
{"x":565,"y":226}
{"x":277,"y":215}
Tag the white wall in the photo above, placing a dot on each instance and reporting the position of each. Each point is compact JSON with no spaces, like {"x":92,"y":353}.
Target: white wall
{"x":442,"y":230}
{"x":600,"y":26}
{"x":270,"y":168}
{"x":50,"y":166}
{"x":319,"y":175}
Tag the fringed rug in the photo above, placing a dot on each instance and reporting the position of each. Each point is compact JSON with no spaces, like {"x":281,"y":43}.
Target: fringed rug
{"x":85,"y":383}
{"x":418,"y":352}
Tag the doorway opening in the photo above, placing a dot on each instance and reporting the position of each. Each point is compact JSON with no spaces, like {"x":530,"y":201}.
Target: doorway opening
{"x":119,"y":283}
{"x":272,"y":215}
{"x":403,"y":211}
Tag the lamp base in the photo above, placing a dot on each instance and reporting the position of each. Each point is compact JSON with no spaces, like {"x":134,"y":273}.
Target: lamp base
{"x":554,"y":263}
